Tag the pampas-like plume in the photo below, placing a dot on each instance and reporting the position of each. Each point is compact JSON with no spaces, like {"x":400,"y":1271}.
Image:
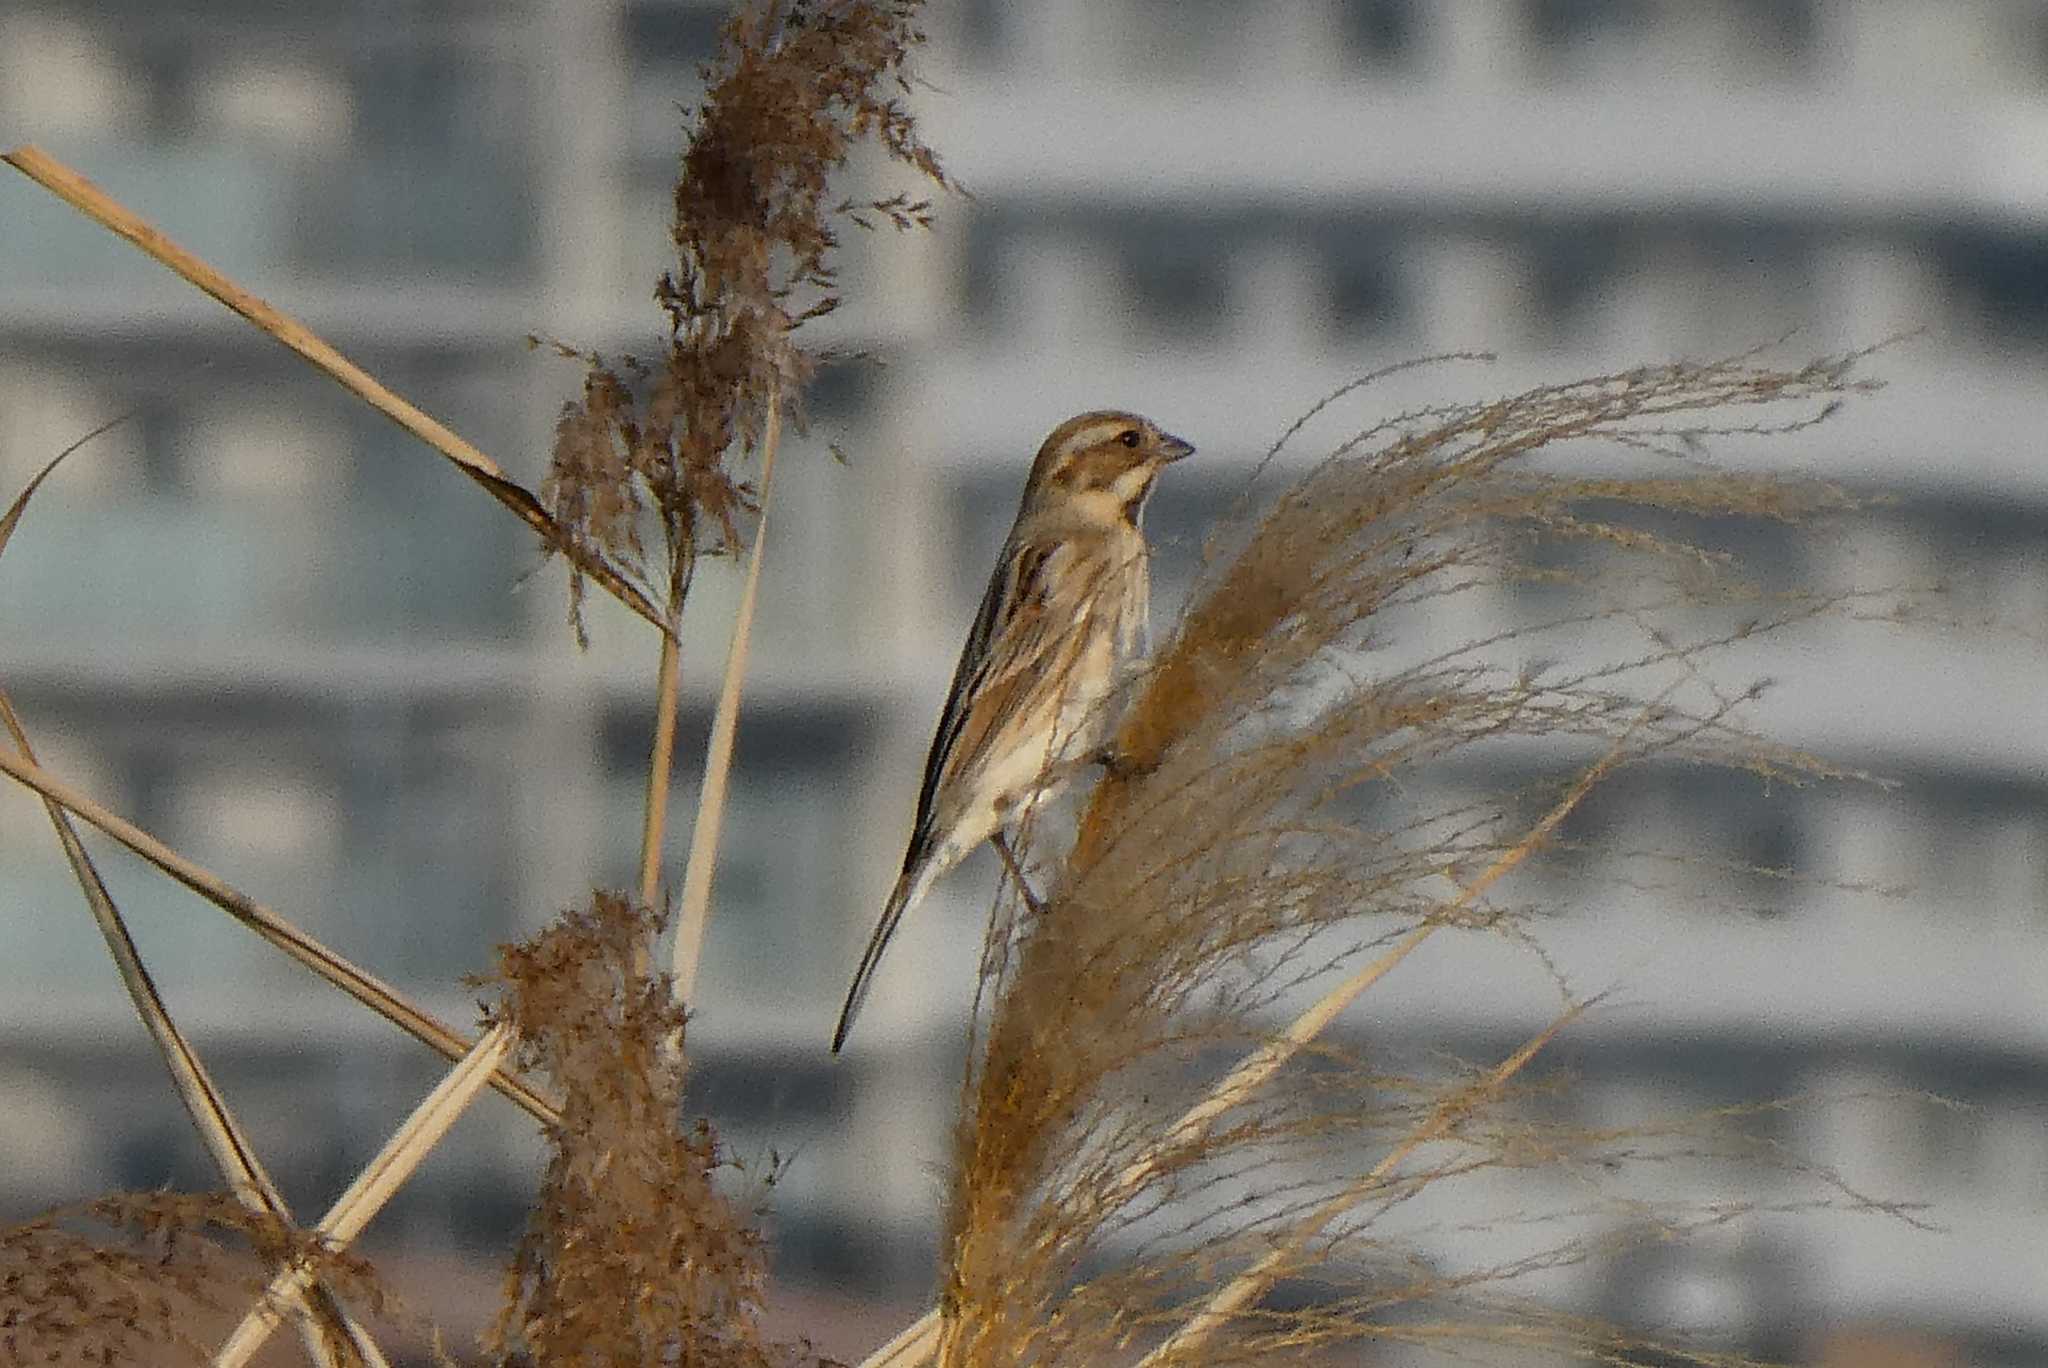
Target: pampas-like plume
{"x":799,"y":85}
{"x":1266,"y":819}
{"x":631,"y":1255}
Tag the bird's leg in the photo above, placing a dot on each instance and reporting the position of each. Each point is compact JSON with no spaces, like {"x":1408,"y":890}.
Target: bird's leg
{"x":1121,"y":765}
{"x":1010,"y":862}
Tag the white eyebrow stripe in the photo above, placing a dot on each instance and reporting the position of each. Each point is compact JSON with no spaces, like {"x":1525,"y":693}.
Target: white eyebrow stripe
{"x":1102,"y":430}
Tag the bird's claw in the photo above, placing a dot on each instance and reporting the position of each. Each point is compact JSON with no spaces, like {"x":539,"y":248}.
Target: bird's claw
{"x":1121,"y":765}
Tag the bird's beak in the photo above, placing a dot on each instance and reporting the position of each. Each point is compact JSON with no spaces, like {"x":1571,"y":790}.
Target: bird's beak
{"x":1172,"y":448}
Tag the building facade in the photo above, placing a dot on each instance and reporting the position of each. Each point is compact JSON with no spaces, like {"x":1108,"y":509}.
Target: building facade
{"x":261,"y":622}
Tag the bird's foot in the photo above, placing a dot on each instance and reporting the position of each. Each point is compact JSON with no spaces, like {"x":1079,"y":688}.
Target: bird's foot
{"x":1121,"y":765}
{"x":1016,"y":868}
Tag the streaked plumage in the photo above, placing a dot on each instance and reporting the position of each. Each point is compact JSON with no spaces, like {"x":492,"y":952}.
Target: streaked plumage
{"x":1064,"y":612}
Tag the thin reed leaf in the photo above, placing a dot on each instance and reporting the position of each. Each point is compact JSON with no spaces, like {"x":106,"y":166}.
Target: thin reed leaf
{"x":12,"y":518}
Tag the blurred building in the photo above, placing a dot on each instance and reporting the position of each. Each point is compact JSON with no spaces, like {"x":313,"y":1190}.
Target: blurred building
{"x":270,"y":628}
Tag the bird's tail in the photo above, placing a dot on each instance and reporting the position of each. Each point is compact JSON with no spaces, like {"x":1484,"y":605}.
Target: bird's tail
{"x":909,"y":890}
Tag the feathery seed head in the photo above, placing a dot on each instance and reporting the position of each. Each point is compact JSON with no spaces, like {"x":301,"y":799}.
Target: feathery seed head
{"x":650,"y":448}
{"x":1241,"y":833}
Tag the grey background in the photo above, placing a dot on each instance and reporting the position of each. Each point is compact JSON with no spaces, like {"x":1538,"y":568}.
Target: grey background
{"x":261,"y":622}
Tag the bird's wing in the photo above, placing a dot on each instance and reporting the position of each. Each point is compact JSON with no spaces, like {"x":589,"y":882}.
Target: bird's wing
{"x":1003,"y":658}
{"x":1006,"y":654}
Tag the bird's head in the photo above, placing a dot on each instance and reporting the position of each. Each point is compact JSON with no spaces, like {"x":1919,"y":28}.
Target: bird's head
{"x":1101,"y":465}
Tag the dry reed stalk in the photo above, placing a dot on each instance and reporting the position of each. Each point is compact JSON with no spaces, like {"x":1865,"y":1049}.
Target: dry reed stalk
{"x":323,"y":1323}
{"x":359,"y":984}
{"x":631,"y":1255}
{"x":643,"y":473}
{"x":694,"y":913}
{"x":661,"y":760}
{"x":322,"y":1320}
{"x":379,"y":1181}
{"x":82,"y":195}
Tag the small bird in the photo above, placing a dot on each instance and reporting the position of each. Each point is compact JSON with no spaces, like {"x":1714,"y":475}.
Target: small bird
{"x":1066,"y":610}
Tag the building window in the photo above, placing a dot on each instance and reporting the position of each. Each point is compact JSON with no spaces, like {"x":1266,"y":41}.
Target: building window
{"x":668,"y":46}
{"x":984,"y":29}
{"x":1598,"y":831}
{"x":284,"y":104}
{"x":44,"y":408}
{"x":1574,"y":271}
{"x":1380,"y":35}
{"x":1998,"y":281}
{"x":2034,"y":42}
{"x":1366,"y":293}
{"x":1733,"y":285}
{"x":51,"y":944}
{"x":1774,"y":33}
{"x":1561,"y":30}
{"x":1711,"y":839}
{"x":266,"y":451}
{"x":1992,"y":559}
{"x":60,"y":77}
{"x":1175,"y":274}
{"x":672,"y":34}
{"x":980,"y":278}
{"x":783,"y":866}
{"x":1168,"y":37}
{"x":1181,"y":515}
{"x":1729,"y":41}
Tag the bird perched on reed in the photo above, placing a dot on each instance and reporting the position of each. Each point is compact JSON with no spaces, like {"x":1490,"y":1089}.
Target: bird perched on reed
{"x":1065,"y":612}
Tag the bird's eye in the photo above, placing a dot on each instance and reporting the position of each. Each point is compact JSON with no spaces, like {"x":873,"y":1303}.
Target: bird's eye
{"x":1129,"y":438}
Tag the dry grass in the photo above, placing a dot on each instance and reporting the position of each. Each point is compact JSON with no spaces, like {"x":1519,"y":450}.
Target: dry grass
{"x":1272,"y":832}
{"x":131,"y":1278}
{"x":631,"y":1255}
{"x":799,"y":86}
{"x":1262,"y":833}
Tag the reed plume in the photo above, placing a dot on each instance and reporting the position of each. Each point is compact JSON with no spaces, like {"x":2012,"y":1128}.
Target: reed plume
{"x":1275,"y":816}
